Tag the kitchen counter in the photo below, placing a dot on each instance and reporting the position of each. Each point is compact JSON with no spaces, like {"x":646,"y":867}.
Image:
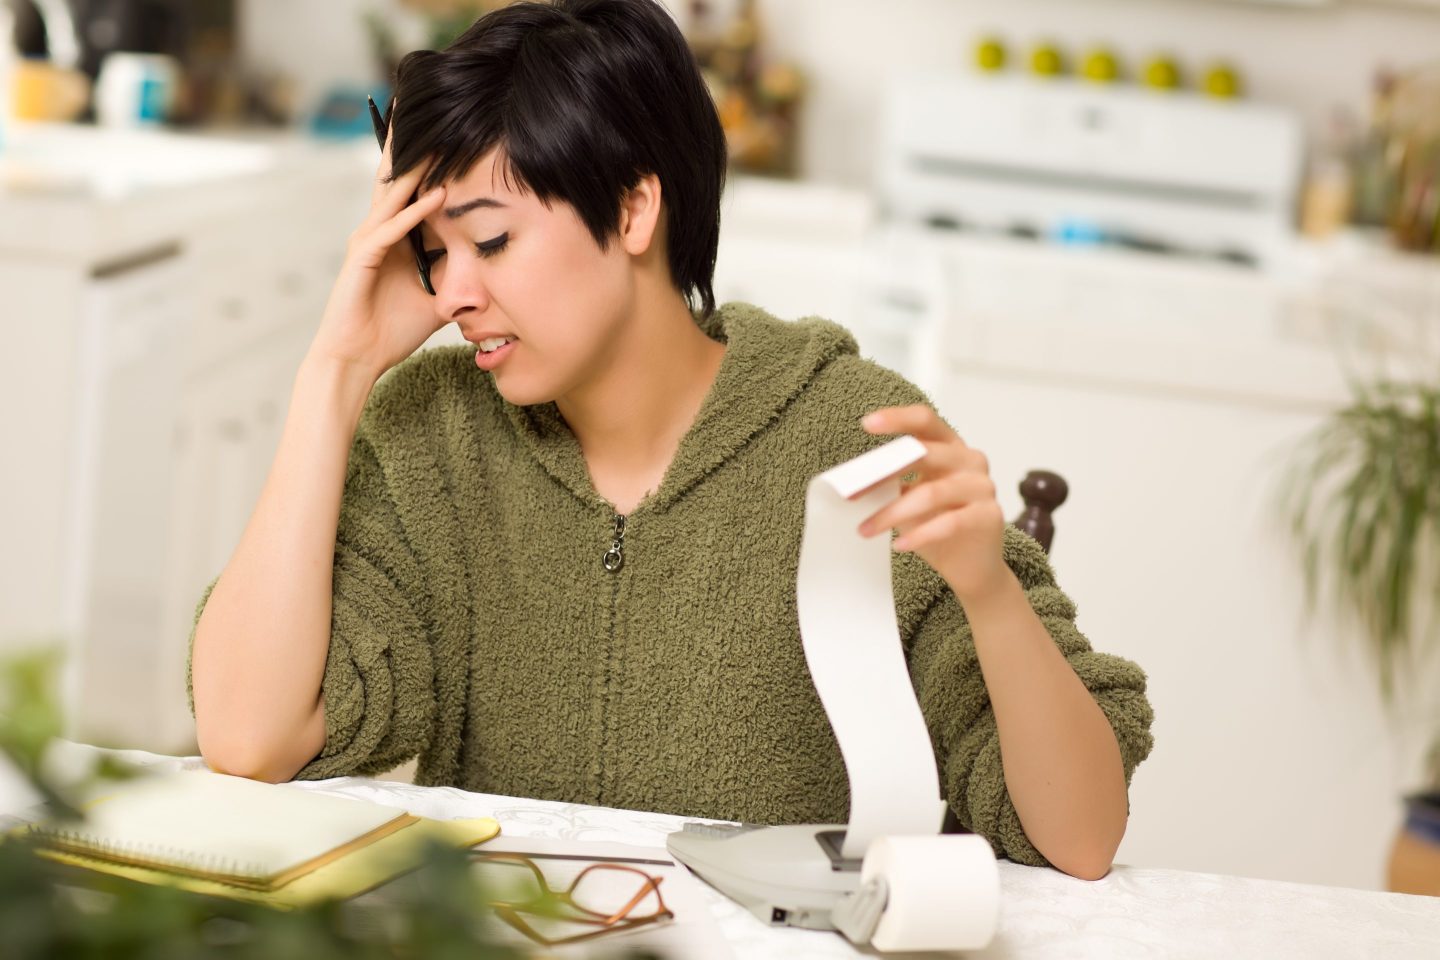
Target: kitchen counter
{"x":73,"y":192}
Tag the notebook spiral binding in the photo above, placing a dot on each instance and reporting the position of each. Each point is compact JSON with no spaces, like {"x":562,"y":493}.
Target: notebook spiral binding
{"x":145,"y":854}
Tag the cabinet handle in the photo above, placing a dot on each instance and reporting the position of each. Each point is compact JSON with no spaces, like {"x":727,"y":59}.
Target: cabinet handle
{"x":132,"y":262}
{"x":231,"y":429}
{"x":903,"y":300}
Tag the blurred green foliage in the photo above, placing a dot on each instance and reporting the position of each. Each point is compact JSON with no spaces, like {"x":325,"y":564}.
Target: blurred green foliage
{"x":446,"y":30}
{"x":30,"y":718}
{"x":51,"y":911}
{"x":44,"y":913}
{"x":1362,"y":503}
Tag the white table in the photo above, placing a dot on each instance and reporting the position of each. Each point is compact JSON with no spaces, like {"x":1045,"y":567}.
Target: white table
{"x":1131,"y":913}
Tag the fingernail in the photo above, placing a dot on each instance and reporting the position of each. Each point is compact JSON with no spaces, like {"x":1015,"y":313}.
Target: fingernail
{"x":870,"y":420}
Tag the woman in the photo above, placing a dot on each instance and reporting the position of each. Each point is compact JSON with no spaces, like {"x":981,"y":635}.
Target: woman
{"x":570,"y":573}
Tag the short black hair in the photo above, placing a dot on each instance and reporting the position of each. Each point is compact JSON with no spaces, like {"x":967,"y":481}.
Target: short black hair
{"x":584,"y":98}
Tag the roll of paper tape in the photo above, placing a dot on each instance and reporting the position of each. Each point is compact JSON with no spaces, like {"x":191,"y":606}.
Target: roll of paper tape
{"x":944,"y":892}
{"x":846,"y":607}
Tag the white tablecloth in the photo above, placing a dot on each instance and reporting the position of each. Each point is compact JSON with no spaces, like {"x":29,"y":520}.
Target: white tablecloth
{"x":1131,"y":913}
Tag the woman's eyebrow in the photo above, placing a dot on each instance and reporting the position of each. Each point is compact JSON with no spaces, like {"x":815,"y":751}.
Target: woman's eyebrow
{"x":456,"y":212}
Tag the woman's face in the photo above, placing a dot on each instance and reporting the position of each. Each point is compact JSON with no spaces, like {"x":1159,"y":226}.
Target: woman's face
{"x":508,"y":266}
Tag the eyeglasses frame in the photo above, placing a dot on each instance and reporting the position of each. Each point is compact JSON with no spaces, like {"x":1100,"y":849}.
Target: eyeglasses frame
{"x":611,"y":923}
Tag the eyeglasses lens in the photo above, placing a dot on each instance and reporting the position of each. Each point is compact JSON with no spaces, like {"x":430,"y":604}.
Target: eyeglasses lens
{"x":573,"y":901}
{"x":615,"y":891}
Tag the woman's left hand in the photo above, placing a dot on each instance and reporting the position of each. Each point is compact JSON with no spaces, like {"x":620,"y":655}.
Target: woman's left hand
{"x":949,"y":517}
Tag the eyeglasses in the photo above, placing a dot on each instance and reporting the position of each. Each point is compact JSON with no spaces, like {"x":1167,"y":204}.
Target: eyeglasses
{"x":604,"y":897}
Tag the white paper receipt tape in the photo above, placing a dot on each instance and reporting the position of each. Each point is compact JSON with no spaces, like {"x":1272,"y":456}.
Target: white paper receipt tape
{"x":846,"y":606}
{"x":944,"y":892}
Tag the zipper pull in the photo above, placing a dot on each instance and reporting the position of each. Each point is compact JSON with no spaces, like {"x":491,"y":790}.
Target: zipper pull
{"x":614,"y":558}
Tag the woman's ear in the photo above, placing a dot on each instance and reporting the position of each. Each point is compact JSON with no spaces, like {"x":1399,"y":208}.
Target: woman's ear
{"x":640,"y":215}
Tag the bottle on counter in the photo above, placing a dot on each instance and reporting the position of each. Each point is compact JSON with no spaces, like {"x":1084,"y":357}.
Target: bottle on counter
{"x":8,"y":56}
{"x":1413,"y":160}
{"x":1375,"y":159}
{"x":136,"y":89}
{"x":1328,"y":194}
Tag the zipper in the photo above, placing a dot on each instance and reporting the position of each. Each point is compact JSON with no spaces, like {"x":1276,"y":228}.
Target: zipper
{"x":614,"y":558}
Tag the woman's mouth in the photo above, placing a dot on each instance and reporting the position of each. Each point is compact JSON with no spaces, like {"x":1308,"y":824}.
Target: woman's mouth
{"x":493,"y":351}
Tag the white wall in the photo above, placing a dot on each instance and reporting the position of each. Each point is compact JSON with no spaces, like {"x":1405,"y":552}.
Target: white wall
{"x":1305,"y":58}
{"x":317,"y":43}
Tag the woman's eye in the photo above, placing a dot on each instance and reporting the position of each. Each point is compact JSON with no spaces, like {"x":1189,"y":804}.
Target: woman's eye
{"x":491,"y":247}
{"x":432,"y":255}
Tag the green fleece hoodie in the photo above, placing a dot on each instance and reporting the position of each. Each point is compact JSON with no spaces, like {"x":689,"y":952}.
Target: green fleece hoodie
{"x":477,"y":625}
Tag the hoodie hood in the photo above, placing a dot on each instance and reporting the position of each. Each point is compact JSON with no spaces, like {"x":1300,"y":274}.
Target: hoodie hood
{"x":767,"y":363}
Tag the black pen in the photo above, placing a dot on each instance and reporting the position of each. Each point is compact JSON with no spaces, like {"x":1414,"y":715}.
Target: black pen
{"x":417,"y":245}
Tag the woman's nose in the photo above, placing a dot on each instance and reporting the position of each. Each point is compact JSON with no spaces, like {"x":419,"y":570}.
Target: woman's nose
{"x":457,"y":293}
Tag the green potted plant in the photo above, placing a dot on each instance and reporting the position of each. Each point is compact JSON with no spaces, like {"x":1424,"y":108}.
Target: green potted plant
{"x":1362,"y":504}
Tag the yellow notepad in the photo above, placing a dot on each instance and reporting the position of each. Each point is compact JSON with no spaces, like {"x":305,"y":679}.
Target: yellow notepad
{"x":200,"y":829}
{"x":342,"y":878}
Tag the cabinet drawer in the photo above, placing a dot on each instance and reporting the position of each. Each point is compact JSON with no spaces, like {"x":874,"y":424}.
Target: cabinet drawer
{"x":245,"y":296}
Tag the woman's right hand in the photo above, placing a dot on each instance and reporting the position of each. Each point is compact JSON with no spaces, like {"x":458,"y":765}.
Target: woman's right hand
{"x":378,"y":313}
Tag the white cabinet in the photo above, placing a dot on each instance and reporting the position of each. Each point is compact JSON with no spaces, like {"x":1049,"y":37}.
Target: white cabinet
{"x":225,"y":440}
{"x":1170,"y":547}
{"x":145,"y":394}
{"x":262,"y":283}
{"x":127,"y":401}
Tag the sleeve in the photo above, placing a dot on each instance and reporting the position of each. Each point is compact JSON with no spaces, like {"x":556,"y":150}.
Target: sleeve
{"x":946,"y":672}
{"x":378,"y":685}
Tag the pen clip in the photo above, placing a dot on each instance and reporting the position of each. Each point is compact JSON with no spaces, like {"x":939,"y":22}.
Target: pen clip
{"x":377,"y":121}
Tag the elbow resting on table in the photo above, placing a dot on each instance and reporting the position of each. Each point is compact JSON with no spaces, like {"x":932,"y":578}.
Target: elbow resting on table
{"x":1095,"y":869}
{"x":248,"y":756}
{"x":1086,"y":861}
{"x":244,"y":760}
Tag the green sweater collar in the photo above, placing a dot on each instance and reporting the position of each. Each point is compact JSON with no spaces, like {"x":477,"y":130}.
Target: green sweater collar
{"x":767,"y":363}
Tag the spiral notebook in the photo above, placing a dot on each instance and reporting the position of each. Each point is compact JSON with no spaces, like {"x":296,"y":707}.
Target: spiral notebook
{"x":224,"y":829}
